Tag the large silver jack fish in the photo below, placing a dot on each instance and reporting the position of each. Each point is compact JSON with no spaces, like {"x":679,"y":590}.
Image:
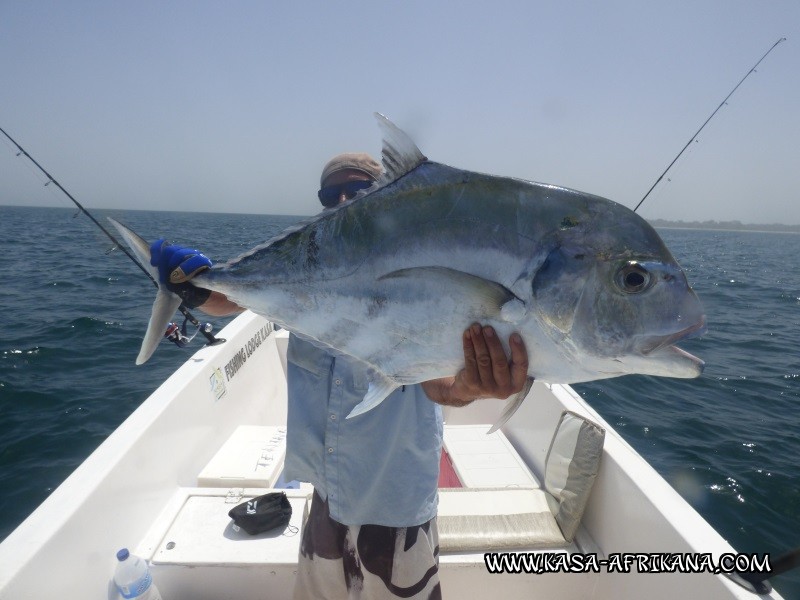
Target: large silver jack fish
{"x":394,"y":276}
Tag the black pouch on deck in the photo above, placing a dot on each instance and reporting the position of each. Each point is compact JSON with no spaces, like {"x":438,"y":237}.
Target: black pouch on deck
{"x":262,"y":513}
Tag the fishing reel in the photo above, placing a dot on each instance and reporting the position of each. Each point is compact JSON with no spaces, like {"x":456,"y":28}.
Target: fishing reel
{"x":181,"y":338}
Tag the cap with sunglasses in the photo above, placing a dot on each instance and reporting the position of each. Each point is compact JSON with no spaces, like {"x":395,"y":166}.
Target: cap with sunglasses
{"x":358,"y":161}
{"x":330,"y":194}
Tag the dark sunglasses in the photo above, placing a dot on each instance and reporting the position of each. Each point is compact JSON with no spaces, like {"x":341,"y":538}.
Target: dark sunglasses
{"x":330,"y":194}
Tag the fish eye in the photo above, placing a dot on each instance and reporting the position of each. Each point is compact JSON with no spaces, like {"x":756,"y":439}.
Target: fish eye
{"x":633,"y":278}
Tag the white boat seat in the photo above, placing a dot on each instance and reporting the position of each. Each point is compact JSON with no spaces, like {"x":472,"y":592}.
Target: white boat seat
{"x":481,"y":460}
{"x":488,"y":519}
{"x":496,"y":519}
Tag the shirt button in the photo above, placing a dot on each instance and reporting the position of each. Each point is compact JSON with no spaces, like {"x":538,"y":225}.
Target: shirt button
{"x":338,"y":382}
{"x":330,"y":450}
{"x":333,"y":417}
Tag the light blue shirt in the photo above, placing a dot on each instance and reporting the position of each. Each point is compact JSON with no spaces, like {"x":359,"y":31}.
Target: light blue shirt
{"x":379,"y":468}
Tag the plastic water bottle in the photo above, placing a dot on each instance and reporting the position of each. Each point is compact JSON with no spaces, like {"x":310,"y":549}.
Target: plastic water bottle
{"x":133,"y":579}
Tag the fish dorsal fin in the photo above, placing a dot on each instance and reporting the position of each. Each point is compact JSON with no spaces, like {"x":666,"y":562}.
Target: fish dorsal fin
{"x":400,"y":154}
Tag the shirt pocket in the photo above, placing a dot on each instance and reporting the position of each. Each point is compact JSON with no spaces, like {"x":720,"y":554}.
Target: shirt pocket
{"x":309,"y":358}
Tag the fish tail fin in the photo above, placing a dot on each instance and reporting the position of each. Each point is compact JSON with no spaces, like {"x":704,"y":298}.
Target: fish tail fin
{"x":512,"y":405}
{"x":166,"y":302}
{"x":164,"y":307}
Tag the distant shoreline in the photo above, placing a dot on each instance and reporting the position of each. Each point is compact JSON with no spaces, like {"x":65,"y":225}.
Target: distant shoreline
{"x":725,"y":226}
{"x":663,"y":223}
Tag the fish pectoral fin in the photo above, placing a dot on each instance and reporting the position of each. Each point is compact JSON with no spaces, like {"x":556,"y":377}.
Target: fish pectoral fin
{"x":380,"y":386}
{"x":164,"y":307}
{"x":490,"y":298}
{"x":512,"y":405}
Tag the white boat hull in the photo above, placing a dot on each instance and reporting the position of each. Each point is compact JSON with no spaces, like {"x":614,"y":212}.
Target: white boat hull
{"x":135,"y":488}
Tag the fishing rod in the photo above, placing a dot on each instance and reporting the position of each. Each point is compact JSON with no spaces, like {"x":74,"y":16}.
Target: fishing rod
{"x":783,"y":39}
{"x":754,"y":582}
{"x":176,"y":335}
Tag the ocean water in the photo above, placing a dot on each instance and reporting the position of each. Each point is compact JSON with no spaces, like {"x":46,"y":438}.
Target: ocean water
{"x":729,"y":442}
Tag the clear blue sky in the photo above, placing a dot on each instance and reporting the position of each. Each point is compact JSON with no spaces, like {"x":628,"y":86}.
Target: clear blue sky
{"x":235,"y":106}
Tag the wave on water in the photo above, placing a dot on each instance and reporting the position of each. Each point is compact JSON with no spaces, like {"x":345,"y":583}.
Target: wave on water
{"x":726,"y":441}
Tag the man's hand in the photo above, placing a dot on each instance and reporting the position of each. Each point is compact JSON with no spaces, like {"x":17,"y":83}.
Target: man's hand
{"x":177,"y":264}
{"x":487,"y":372}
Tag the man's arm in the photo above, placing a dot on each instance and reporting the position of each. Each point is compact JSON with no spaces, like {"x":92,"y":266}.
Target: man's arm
{"x":487,"y":372}
{"x":218,"y":305}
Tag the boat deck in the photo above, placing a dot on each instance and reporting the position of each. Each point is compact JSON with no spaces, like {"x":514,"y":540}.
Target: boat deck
{"x":197,"y":553}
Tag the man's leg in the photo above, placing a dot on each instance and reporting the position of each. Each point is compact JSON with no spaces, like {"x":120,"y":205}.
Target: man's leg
{"x":366,"y":562}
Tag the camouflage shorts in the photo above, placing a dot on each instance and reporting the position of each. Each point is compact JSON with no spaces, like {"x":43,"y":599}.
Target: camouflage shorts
{"x":366,"y":561}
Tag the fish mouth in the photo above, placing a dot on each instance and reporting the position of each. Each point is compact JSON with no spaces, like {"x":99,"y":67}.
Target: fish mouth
{"x":656,"y":355}
{"x":665,"y":345}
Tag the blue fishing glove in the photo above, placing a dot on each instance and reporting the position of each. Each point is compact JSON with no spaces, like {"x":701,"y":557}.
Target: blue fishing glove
{"x":177,"y":264}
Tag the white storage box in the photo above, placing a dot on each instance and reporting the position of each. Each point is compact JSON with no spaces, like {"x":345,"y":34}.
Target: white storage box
{"x":251,"y":458}
{"x":202,"y":533}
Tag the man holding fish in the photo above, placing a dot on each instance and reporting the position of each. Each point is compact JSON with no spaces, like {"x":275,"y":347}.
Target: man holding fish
{"x":371,"y":531}
{"x":377,"y":289}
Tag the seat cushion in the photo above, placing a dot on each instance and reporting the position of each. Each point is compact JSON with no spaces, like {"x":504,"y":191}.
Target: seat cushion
{"x":487,"y":519}
{"x":570,"y":469}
